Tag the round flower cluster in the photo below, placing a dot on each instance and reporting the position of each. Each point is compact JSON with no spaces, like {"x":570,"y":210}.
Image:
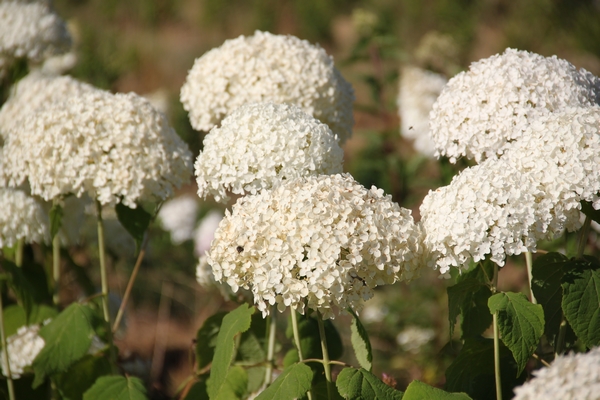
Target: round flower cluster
{"x":178,"y":217}
{"x":21,"y":217}
{"x":260,"y":144}
{"x":483,"y":109}
{"x":117,"y":148}
{"x":419,"y":89}
{"x":23,"y":348}
{"x":492,"y":208}
{"x":30,"y":30}
{"x":323,"y":242}
{"x":569,"y":377}
{"x":36,"y":91}
{"x":268,"y":68}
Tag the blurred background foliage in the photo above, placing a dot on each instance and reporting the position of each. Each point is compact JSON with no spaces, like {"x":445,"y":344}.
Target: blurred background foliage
{"x":148,"y":46}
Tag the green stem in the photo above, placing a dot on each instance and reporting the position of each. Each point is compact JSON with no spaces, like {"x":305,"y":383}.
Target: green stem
{"x":297,"y":342}
{"x":496,"y":340}
{"x":325,"y":351}
{"x":19,"y":252}
{"x":11,"y":389}
{"x":104,"y":279}
{"x":562,"y":333}
{"x":585,"y":230}
{"x":529,"y":262}
{"x":55,"y":269}
{"x":271,"y":329}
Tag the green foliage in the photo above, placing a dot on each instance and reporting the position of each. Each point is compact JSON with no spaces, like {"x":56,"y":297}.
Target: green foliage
{"x":521,"y":324}
{"x":206,"y":339}
{"x":234,"y":386}
{"x":418,"y":390}
{"x":134,"y":220}
{"x":68,"y":338}
{"x":20,"y":285}
{"x":360,"y":342}
{"x":74,"y":382}
{"x":589,"y":211}
{"x":581,"y":304}
{"x":235,"y":322}
{"x":117,"y":388}
{"x":361,"y":384}
{"x":16,"y":317}
{"x":310,"y":341}
{"x":472,"y":372}
{"x":293,"y":383}
{"x":197,"y":392}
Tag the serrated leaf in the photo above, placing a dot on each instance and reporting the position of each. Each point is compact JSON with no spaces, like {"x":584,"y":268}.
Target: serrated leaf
{"x":360,"y":342}
{"x":73,"y":383}
{"x":134,"y":220}
{"x":235,"y":322}
{"x":68,"y":338}
{"x":418,"y":390}
{"x":15,"y":317}
{"x":521,"y":324}
{"x":20,"y":285}
{"x":293,"y":383}
{"x":117,"y":388}
{"x":361,"y":384}
{"x":469,"y":297}
{"x":56,"y":215}
{"x":581,"y":305}
{"x":206,"y":339}
{"x":235,"y":385}
{"x":472,"y":371}
{"x":251,"y":349}
{"x":321,"y":391}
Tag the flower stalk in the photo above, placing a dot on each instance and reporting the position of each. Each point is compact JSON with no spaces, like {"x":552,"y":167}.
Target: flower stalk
{"x":271,"y":328}
{"x":9,"y":379}
{"x":104,"y":279}
{"x":496,"y":339}
{"x":326,"y":363}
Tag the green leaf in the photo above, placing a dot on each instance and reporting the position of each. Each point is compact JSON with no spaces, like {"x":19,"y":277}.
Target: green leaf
{"x":20,"y":285}
{"x":206,"y":339}
{"x":134,"y":220}
{"x":310,"y":341}
{"x":117,"y":388}
{"x":293,"y":383}
{"x":469,"y":297}
{"x":589,"y":211}
{"x":360,"y":342}
{"x":418,"y":390}
{"x":472,"y":371}
{"x":235,"y":385}
{"x":581,"y":305}
{"x":234,"y":322}
{"x":197,"y":392}
{"x":73,"y":383}
{"x":360,"y":384}
{"x":15,"y":317}
{"x":56,"y":215}
{"x":68,"y":338}
{"x":251,"y":349}
{"x":521,"y":324}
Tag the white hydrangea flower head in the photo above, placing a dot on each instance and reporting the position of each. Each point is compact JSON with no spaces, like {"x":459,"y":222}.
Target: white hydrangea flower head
{"x":178,"y":217}
{"x":323,"y":242}
{"x":562,"y":151}
{"x":21,"y":217}
{"x":574,"y":376}
{"x":419,"y":89}
{"x":413,"y":338}
{"x":38,"y":90}
{"x":205,"y":232}
{"x":115,"y":148}
{"x":483,"y":109}
{"x":23,"y":347}
{"x":260,"y":144}
{"x":268,"y":68}
{"x":490,"y":209}
{"x":31,"y":31}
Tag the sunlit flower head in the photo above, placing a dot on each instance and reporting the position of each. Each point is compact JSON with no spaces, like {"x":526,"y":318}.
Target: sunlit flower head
{"x":268,"y":68}
{"x":178,"y":217}
{"x":205,"y":232}
{"x":484,"y":109}
{"x":115,"y":148}
{"x":323,"y":242}
{"x":569,"y":377}
{"x":260,"y":144}
{"x":419,"y":89}
{"x":30,"y":31}
{"x":21,"y":217}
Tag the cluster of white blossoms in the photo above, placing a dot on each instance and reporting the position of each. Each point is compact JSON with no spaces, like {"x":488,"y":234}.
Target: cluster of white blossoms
{"x":22,"y":347}
{"x":482,"y":110}
{"x":569,"y":377}
{"x":419,"y":89}
{"x":205,"y":232}
{"x":260,"y":144}
{"x":31,"y":31}
{"x":268,"y":68}
{"x":490,"y":209}
{"x":413,"y":338}
{"x":323,"y":242}
{"x":115,"y":148}
{"x":21,"y":217}
{"x":36,"y":91}
{"x":178,"y":217}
